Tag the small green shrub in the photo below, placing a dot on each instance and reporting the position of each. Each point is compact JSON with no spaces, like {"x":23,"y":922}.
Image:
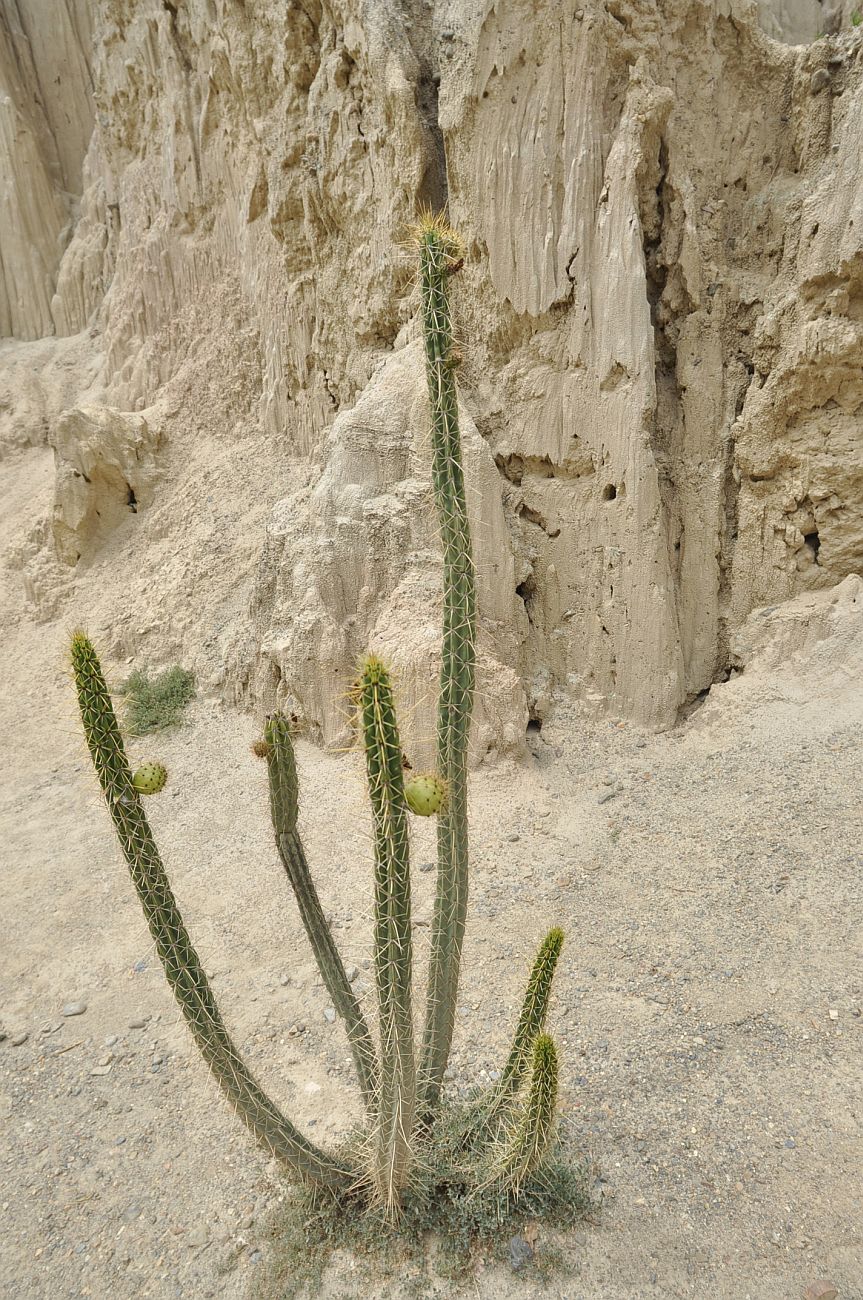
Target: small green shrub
{"x":153,"y":703}
{"x":856,"y":18}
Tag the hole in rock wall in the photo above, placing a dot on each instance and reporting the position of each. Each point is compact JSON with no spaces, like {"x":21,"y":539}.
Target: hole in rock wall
{"x":609,"y":492}
{"x":813,"y":541}
{"x":131,"y":499}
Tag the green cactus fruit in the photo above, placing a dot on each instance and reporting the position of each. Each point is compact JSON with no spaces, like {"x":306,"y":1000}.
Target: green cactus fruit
{"x":426,"y":794}
{"x":150,"y":778}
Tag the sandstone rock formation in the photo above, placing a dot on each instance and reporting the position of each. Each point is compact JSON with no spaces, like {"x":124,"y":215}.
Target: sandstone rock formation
{"x":105,"y":469}
{"x":660,"y":309}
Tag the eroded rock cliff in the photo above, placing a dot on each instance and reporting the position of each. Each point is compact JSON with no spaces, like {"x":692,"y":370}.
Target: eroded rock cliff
{"x":661,"y":311}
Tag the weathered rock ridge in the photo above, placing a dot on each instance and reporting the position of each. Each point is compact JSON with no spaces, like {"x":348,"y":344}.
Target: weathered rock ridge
{"x":661,"y":310}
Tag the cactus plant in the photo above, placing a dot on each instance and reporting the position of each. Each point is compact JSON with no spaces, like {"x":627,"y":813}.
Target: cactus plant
{"x":506,"y":1137}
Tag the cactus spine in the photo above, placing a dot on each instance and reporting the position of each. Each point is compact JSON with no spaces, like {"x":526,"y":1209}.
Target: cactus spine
{"x":393,"y":952}
{"x":179,"y":959}
{"x":440,"y":253}
{"x":284,"y":798}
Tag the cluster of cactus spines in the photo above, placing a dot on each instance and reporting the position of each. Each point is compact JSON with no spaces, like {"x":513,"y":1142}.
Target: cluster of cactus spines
{"x":440,"y":254}
{"x":392,"y":939}
{"x":508,"y":1136}
{"x":284,"y":806}
{"x":525,"y":1146}
{"x":182,"y":967}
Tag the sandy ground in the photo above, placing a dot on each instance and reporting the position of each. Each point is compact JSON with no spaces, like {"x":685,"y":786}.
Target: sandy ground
{"x":708,"y":1006}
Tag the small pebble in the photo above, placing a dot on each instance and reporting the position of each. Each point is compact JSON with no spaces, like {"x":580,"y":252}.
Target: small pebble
{"x":513,"y":838}
{"x":819,"y":80}
{"x":823,"y":1289}
{"x":74,"y":1009}
{"x":101,"y":1069}
{"x":284,"y":980}
{"x":111,"y":1040}
{"x":329,"y":1015}
{"x":606,"y":795}
{"x":352,"y":973}
{"x":427,"y":866}
{"x":18,"y":1039}
{"x":138,"y":1023}
{"x":520,"y":1253}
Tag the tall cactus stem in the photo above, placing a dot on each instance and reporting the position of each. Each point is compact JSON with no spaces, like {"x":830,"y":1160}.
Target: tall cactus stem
{"x":524,"y":1150}
{"x":284,"y":799}
{"x":440,"y":253}
{"x":393,"y":1157}
{"x":180,"y":961}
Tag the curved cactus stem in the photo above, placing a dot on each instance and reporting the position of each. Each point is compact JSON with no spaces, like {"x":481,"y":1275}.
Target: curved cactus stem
{"x":440,"y":252}
{"x":524,"y":1150}
{"x":180,"y":961}
{"x":534,"y":1010}
{"x":393,"y":950}
{"x":284,"y":794}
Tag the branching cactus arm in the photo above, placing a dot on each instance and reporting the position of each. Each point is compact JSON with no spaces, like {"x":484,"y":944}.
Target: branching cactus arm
{"x":182,"y":967}
{"x":534,"y":1010}
{"x":522,"y":1153}
{"x":284,"y":796}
